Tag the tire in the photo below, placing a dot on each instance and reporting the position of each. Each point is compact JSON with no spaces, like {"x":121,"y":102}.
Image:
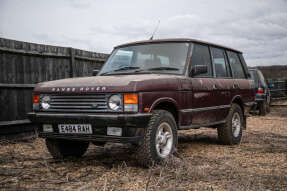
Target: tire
{"x":268,"y":102}
{"x":229,"y":134}
{"x":263,"y":108}
{"x":60,"y":149}
{"x":100,"y":144}
{"x":267,"y":108}
{"x":159,"y":139}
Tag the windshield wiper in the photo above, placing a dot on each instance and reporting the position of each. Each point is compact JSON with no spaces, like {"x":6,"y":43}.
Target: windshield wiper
{"x":127,"y":68}
{"x":162,"y":68}
{"x":122,"y":69}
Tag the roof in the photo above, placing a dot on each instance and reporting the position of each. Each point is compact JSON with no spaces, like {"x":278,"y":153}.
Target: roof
{"x":176,"y":40}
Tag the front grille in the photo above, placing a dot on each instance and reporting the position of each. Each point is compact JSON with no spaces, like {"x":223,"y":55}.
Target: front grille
{"x":79,"y":103}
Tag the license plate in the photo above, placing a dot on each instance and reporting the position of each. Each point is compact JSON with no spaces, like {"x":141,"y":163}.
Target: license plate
{"x":75,"y":128}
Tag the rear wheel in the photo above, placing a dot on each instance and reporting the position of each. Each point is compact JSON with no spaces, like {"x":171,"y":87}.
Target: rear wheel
{"x":230,"y":132}
{"x":159,"y":139}
{"x":268,"y":102}
{"x":263,"y":108}
{"x":59,"y":148}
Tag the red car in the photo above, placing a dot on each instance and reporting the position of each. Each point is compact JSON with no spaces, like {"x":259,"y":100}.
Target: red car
{"x":144,"y":94}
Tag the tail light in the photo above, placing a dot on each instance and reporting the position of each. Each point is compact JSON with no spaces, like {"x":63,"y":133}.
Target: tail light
{"x":260,"y":90}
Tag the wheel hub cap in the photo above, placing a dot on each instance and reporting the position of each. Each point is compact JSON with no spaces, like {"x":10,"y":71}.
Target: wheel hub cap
{"x":164,"y":140}
{"x":236,"y":124}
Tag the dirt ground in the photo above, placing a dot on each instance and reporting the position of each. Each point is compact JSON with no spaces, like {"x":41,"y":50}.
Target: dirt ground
{"x":201,"y":163}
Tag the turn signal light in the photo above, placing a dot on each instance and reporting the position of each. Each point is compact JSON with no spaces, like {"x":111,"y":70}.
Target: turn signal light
{"x":36,"y":98}
{"x":131,"y":99}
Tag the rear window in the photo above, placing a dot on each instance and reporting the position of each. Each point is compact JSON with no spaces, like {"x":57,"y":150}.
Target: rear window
{"x":262,"y":79}
{"x":252,"y":74}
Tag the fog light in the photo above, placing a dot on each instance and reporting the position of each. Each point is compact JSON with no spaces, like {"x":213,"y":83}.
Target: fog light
{"x":48,"y":128}
{"x":114,"y":131}
{"x":131,"y":107}
{"x":36,"y":106}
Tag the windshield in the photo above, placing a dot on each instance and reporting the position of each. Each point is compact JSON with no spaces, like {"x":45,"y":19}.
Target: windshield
{"x":151,"y":58}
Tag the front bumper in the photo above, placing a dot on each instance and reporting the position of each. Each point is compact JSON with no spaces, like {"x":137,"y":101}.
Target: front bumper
{"x":130,"y":123}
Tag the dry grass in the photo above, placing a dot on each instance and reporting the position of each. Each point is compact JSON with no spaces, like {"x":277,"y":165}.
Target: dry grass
{"x":201,"y":163}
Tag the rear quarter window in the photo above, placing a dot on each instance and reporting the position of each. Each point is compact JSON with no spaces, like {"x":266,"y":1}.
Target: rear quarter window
{"x":235,"y":64}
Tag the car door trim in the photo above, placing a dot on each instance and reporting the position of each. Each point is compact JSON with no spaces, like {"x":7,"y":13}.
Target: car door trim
{"x":205,"y":109}
{"x":197,"y":126}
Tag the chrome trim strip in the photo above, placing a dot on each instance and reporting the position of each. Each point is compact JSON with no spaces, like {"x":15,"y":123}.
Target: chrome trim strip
{"x":205,"y":108}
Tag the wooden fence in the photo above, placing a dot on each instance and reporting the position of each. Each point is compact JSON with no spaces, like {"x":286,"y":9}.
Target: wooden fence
{"x":23,"y":64}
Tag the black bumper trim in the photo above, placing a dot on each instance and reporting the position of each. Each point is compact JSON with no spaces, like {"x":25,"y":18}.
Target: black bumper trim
{"x":138,"y":120}
{"x":98,"y":138}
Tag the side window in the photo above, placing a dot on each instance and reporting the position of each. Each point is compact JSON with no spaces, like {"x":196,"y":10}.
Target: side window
{"x":201,"y":56}
{"x":220,"y":63}
{"x":235,"y":64}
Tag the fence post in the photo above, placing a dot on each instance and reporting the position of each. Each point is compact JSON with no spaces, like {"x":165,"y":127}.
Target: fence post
{"x":72,"y":61}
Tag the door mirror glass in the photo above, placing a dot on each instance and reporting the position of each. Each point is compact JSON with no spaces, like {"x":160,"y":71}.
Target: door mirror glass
{"x":95,"y":72}
{"x":198,"y":69}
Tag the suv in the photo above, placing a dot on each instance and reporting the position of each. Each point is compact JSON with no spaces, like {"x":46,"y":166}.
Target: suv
{"x":144,"y":94}
{"x":262,"y":97}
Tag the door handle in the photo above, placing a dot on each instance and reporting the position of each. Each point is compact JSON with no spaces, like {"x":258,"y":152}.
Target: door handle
{"x":235,"y":86}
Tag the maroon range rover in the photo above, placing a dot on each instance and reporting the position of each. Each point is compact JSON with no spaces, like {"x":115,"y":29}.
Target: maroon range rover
{"x":144,"y":94}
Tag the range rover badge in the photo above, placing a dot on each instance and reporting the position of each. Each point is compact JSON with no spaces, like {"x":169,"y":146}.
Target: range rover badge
{"x":94,"y":106}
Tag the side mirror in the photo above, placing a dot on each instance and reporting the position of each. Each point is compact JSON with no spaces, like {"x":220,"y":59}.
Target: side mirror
{"x":198,"y":69}
{"x":95,"y":72}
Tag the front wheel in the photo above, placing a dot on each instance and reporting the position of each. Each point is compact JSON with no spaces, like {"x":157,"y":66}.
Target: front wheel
{"x":230,"y":132}
{"x":159,"y":139}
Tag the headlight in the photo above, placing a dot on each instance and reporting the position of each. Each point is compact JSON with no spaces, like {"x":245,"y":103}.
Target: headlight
{"x":115,"y":102}
{"x":45,"y":102}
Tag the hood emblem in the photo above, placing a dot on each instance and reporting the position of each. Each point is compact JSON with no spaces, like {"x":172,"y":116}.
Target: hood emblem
{"x":94,"y":106}
{"x":79,"y":89}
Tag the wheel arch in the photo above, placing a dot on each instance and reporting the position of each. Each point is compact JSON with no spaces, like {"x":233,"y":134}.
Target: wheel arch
{"x":238,"y":100}
{"x":169,"y":105}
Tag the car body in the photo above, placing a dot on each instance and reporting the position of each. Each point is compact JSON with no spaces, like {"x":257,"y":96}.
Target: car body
{"x":145,"y":93}
{"x":263,"y":96}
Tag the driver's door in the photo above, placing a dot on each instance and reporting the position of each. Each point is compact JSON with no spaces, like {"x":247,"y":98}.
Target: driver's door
{"x":203,"y":98}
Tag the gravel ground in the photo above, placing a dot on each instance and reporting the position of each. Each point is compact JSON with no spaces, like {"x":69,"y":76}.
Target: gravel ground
{"x":201,"y":163}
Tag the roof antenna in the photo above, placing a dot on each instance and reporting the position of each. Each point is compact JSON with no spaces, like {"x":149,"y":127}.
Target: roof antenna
{"x":151,"y":38}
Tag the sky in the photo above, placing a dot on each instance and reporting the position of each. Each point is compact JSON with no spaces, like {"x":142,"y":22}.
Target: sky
{"x":258,"y":28}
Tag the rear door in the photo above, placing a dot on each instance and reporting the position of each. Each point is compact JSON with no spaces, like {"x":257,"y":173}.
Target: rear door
{"x":241,"y":85}
{"x":223,"y":82}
